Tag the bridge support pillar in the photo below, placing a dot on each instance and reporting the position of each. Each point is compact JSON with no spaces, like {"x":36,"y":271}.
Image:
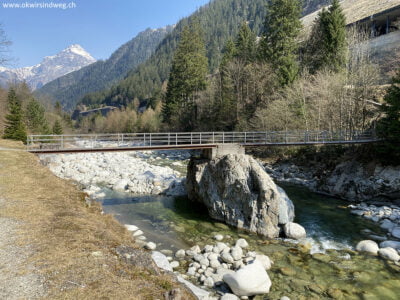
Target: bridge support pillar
{"x":223,"y":149}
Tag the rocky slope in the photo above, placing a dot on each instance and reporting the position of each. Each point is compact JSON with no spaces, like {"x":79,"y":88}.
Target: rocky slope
{"x":70,"y":59}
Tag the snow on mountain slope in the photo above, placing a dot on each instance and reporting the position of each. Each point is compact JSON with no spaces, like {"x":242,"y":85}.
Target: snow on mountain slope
{"x":70,"y":59}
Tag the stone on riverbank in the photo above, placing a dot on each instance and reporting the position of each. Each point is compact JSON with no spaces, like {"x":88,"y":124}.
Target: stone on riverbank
{"x":238,"y":191}
{"x":396,"y":232}
{"x":389,"y":253}
{"x":249,"y":280}
{"x":391,"y":244}
{"x":150,"y":246}
{"x":131,"y":227}
{"x":368,"y":246}
{"x":294,"y":231}
{"x":229,"y":297}
{"x":161,"y":261}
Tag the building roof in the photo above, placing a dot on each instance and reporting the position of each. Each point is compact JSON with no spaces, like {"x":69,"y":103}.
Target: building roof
{"x":356,"y":10}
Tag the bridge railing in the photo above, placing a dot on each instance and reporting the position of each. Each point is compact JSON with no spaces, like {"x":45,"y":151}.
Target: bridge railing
{"x":131,"y":140}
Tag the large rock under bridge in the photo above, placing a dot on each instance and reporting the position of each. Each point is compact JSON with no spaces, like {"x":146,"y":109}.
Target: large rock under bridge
{"x":237,"y":190}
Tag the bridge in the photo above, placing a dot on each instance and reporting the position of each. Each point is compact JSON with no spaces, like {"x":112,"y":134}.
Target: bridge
{"x":80,"y":143}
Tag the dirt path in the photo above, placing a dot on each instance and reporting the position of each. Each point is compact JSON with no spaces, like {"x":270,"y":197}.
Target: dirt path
{"x":17,"y":281}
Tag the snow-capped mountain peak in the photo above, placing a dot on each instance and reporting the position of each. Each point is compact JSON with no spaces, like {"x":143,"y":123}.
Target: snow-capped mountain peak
{"x":78,"y":50}
{"x":68,"y":60}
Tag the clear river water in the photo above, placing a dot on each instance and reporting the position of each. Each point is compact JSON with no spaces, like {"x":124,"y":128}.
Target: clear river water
{"x":324,"y":267}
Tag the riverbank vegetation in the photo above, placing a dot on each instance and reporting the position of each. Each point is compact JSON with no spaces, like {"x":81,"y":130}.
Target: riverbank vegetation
{"x":79,"y":252}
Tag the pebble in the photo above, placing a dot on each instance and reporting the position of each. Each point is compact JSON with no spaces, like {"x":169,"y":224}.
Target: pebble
{"x":218,"y":237}
{"x":229,"y":297}
{"x":226,"y":257}
{"x":180,"y":253}
{"x":131,"y":227}
{"x":174,"y":264}
{"x":242,"y":243}
{"x":236,"y":252}
{"x":137,"y":233}
{"x":150,"y":246}
{"x":214,"y":263}
{"x":209,"y":282}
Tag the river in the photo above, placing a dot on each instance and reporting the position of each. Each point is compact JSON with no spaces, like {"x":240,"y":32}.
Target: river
{"x":323,"y":267}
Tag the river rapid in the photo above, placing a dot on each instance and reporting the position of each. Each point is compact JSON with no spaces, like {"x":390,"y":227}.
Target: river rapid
{"x":324,"y":266}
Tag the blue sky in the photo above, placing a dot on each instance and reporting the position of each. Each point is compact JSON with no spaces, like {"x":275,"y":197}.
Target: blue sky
{"x":99,"y":26}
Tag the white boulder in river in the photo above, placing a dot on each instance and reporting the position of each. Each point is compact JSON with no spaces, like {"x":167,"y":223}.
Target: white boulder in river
{"x":294,"y":231}
{"x":237,"y":190}
{"x":368,"y":246}
{"x":389,"y":253}
{"x":249,"y":280}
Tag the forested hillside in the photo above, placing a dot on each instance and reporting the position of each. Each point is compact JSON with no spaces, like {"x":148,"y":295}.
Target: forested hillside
{"x":101,"y":75}
{"x":220,"y":20}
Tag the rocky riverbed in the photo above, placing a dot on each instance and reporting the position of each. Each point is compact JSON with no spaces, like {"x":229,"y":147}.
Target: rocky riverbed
{"x":140,"y":173}
{"x":350,"y":180}
{"x":375,"y":188}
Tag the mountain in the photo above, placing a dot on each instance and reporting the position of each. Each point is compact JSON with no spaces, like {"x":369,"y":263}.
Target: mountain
{"x":101,"y":75}
{"x":220,"y":21}
{"x":70,"y":59}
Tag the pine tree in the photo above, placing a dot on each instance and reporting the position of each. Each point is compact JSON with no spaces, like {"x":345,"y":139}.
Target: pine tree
{"x":187,"y":78}
{"x":279,"y":45}
{"x":327,"y":46}
{"x":58,"y":108}
{"x":389,"y":126}
{"x":35,"y":118}
{"x":15,"y":128}
{"x":246,"y":44}
{"x":57,"y":128}
{"x":229,"y":53}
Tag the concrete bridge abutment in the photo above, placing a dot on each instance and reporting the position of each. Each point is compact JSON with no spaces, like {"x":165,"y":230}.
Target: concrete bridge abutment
{"x":221,"y":150}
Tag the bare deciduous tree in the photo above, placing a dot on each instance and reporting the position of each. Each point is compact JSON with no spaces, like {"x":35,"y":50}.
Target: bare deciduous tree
{"x":4,"y":47}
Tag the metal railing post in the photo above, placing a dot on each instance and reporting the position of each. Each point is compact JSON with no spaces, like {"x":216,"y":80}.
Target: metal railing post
{"x":200,"y":138}
{"x":223,"y":137}
{"x":176,"y":138}
{"x":191,"y":138}
{"x":169,"y":139}
{"x":245,"y":137}
{"x":213,"y":135}
{"x":150,"y":139}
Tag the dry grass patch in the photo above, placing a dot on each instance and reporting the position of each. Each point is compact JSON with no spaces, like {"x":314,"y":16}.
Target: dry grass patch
{"x":74,"y":244}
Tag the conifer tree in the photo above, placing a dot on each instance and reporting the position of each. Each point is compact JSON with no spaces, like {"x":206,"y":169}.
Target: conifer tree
{"x":389,"y":126}
{"x":15,"y":128}
{"x":279,"y":45}
{"x":35,"y":118}
{"x":57,"y":128}
{"x":58,"y":108}
{"x":187,"y":78}
{"x":327,"y":46}
{"x":246,"y":44}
